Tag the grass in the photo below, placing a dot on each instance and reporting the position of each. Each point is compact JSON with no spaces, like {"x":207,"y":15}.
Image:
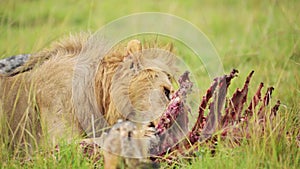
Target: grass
{"x":258,"y":35}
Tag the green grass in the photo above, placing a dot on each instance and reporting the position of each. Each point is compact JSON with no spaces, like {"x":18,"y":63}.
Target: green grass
{"x":258,"y":35}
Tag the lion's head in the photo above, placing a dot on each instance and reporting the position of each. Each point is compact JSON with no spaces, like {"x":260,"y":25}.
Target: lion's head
{"x":140,"y":83}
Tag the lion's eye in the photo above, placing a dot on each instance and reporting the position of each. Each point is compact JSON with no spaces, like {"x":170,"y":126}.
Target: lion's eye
{"x":167,"y":93}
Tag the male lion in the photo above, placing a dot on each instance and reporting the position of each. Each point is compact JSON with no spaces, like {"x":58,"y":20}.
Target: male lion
{"x":41,"y":100}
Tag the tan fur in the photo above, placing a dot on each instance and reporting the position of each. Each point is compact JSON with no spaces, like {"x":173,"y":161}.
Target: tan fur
{"x":36,"y":99}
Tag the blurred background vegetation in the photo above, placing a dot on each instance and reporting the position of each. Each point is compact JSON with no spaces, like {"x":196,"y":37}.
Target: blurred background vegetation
{"x":248,"y":35}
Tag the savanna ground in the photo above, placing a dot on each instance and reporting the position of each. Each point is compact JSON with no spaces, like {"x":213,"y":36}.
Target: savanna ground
{"x":249,"y":35}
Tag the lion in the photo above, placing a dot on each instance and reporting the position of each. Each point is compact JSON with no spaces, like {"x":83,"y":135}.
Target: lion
{"x":41,"y":103}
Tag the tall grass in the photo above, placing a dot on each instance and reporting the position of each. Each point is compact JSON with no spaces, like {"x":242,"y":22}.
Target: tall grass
{"x":249,"y":35}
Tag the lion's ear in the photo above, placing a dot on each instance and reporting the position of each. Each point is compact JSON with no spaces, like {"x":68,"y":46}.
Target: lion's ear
{"x":134,"y":46}
{"x":133,"y":54}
